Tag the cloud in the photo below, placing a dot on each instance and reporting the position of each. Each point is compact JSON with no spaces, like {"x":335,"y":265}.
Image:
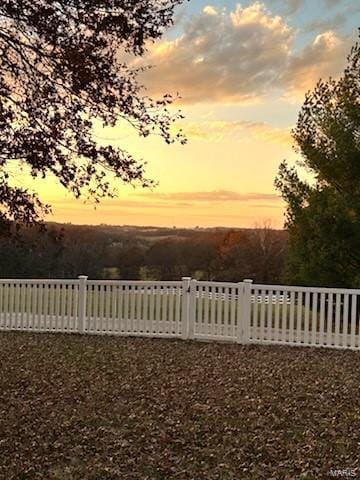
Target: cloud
{"x":213,"y":196}
{"x":116,"y":203}
{"x":210,"y":10}
{"x":217,"y":130}
{"x":331,"y":3}
{"x":244,"y":55}
{"x":152,"y":200}
{"x":289,"y":7}
{"x":293,"y":6}
{"x":326,"y":24}
{"x":324,"y":57}
{"x":227,"y":57}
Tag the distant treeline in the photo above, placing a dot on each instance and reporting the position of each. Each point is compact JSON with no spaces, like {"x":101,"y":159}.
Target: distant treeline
{"x":65,"y":251}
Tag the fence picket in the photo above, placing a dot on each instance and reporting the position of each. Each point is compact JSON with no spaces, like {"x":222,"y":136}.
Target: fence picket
{"x":284,"y":316}
{"x":306,"y":319}
{"x":255,"y":314}
{"x":107,"y":301}
{"x":206,"y":307}
{"x":269,"y":315}
{"x":171,"y":311}
{"x":262,"y":316}
{"x":11,"y":305}
{"x":164,"y":315}
{"x":151,"y":309}
{"x":35,"y":319}
{"x":133,"y":323}
{"x":292,"y":314}
{"x":158,"y":309}
{"x":178,"y":312}
{"x":299,"y":317}
{"x":329,"y":319}
{"x":345,"y":321}
{"x":353,"y":320}
{"x":199,"y":324}
{"x":213,"y":311}
{"x":46,"y":307}
{"x":322,"y":319}
{"x":314,"y":318}
{"x":337,"y":318}
{"x":126,"y":315}
{"x":233,"y":311}
{"x":226,"y":332}
{"x":114,"y":296}
{"x":276,"y":335}
{"x":39,"y":313}
{"x":219,"y":312}
{"x":22,"y":305}
{"x":28,"y":305}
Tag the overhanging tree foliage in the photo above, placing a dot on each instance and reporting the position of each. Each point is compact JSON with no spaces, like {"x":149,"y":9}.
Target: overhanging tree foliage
{"x":323,"y":218}
{"x":61,"y":66}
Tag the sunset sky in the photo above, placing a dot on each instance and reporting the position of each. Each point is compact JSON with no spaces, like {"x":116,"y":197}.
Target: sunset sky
{"x":242,"y":70}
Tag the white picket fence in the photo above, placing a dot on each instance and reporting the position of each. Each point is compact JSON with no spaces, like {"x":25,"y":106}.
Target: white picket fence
{"x":237,"y":312}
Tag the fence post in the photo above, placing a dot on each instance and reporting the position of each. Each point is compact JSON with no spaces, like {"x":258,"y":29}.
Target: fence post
{"x":82,"y":303}
{"x":192,"y":308}
{"x":243,"y":333}
{"x":185,"y":308}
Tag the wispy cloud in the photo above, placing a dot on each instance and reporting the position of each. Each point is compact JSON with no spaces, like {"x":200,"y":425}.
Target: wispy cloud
{"x":288,"y":7}
{"x":217,"y":130}
{"x":326,"y":24}
{"x":212,"y":196}
{"x":293,"y":6}
{"x":331,"y":3}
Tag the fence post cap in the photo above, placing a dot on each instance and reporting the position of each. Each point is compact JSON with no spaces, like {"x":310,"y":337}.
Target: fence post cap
{"x":83,"y":277}
{"x":247,"y":280}
{"x":186,"y":278}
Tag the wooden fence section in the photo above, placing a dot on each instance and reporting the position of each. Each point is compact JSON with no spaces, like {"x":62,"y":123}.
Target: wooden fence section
{"x":236,"y":312}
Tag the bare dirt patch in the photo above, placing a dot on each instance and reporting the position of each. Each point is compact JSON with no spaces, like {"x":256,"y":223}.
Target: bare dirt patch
{"x":102,"y":408}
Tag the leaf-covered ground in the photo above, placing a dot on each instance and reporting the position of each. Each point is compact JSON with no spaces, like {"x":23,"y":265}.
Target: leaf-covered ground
{"x":101,"y":408}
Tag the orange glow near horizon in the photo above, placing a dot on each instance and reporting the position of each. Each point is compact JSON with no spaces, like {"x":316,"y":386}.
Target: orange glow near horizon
{"x":220,"y":178}
{"x":242,"y":71}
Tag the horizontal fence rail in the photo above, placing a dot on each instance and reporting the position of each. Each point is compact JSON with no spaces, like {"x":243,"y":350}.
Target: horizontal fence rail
{"x":237,"y":312}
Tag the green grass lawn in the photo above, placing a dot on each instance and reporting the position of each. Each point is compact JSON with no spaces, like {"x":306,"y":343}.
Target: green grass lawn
{"x":105,"y":408}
